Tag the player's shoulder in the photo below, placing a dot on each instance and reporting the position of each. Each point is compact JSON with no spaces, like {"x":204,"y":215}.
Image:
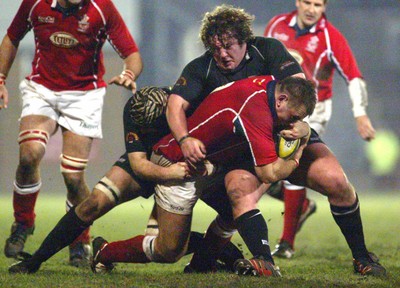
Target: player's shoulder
{"x":266,"y":46}
{"x":332,"y":29}
{"x":105,"y":6}
{"x":201,"y":61}
{"x":29,"y":4}
{"x":200,"y":64}
{"x":261,"y":43}
{"x":283,"y":17}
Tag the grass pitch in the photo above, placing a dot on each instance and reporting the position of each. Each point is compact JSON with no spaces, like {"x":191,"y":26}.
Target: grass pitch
{"x":322,"y":258}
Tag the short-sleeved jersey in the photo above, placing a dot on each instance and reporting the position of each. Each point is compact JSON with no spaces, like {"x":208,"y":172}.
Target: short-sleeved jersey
{"x":263,"y":57}
{"x":239,"y":112}
{"x":142,"y":139}
{"x":68,"y":46}
{"x":320,"y":51}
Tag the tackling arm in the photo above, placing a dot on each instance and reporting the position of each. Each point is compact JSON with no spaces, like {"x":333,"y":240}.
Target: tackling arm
{"x":192,"y":149}
{"x":8,"y":51}
{"x":176,"y":116}
{"x":147,"y":170}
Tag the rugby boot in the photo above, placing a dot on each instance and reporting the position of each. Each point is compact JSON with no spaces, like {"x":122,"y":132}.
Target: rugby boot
{"x":97,"y":267}
{"x":16,"y":242}
{"x":283,"y":250}
{"x":79,"y":254}
{"x":369,"y":266}
{"x":256,"y":267}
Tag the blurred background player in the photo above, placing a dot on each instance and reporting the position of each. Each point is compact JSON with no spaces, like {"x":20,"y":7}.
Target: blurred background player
{"x":132,"y":176}
{"x":65,"y":89}
{"x":320,"y":49}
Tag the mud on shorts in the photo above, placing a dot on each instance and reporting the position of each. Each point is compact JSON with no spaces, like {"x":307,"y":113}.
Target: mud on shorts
{"x":180,"y":196}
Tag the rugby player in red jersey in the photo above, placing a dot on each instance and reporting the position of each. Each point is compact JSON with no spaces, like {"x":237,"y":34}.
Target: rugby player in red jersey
{"x":64,"y":89}
{"x":320,"y":48}
{"x":236,"y":121}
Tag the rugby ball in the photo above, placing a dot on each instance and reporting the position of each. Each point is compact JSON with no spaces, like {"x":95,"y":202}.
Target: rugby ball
{"x":287,"y":148}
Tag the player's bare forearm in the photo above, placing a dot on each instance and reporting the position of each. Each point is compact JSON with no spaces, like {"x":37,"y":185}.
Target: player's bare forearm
{"x":8,"y":51}
{"x":132,"y":68}
{"x":134,"y":63}
{"x":280,"y":169}
{"x":147,"y":170}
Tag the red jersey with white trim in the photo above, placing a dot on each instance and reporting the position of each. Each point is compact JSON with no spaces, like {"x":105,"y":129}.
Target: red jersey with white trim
{"x":68,"y":46}
{"x":238,"y":112}
{"x":319,"y":52}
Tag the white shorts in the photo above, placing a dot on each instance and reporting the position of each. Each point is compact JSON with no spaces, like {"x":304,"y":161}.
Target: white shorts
{"x":77,"y":111}
{"x":179,"y":197}
{"x":321,"y":116}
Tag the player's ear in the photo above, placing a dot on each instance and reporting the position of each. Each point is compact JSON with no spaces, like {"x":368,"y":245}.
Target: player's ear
{"x":282,"y":98}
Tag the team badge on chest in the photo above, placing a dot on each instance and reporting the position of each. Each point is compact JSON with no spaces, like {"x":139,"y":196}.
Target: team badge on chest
{"x":312,"y":45}
{"x":83,"y":24}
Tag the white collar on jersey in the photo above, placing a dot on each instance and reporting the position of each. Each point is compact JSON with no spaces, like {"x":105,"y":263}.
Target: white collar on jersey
{"x":294,"y":21}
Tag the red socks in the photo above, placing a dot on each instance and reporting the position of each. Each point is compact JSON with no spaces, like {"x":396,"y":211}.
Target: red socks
{"x":294,"y":200}
{"x":24,"y":208}
{"x":127,"y":251}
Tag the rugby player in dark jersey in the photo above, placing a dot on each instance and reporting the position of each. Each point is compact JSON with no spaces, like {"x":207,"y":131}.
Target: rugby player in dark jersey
{"x":234,"y":53}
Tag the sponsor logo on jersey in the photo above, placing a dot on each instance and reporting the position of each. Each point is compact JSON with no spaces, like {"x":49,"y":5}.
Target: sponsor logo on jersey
{"x":259,"y":81}
{"x":286,"y":64}
{"x":63,"y":40}
{"x":281,"y":36}
{"x":181,"y":81}
{"x":312,"y":45}
{"x":46,"y":19}
{"x":83,"y":24}
{"x":130,"y":137}
{"x":296,"y":55}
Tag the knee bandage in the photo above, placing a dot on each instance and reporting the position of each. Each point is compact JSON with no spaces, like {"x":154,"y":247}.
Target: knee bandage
{"x":108,"y":187}
{"x":36,"y":135}
{"x":72,"y":164}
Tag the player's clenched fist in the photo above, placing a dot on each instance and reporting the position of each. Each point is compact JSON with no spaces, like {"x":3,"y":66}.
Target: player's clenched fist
{"x":178,"y":171}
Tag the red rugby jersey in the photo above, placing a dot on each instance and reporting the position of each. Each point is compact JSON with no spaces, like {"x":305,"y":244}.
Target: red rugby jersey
{"x":68,"y":52}
{"x":319,"y":52}
{"x":238,"y":112}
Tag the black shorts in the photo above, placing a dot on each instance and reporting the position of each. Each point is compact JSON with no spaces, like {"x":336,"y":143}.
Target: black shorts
{"x":147,"y":186}
{"x":314,"y":138}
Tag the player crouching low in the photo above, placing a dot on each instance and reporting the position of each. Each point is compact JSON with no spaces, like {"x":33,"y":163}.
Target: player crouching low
{"x":130,"y":177}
